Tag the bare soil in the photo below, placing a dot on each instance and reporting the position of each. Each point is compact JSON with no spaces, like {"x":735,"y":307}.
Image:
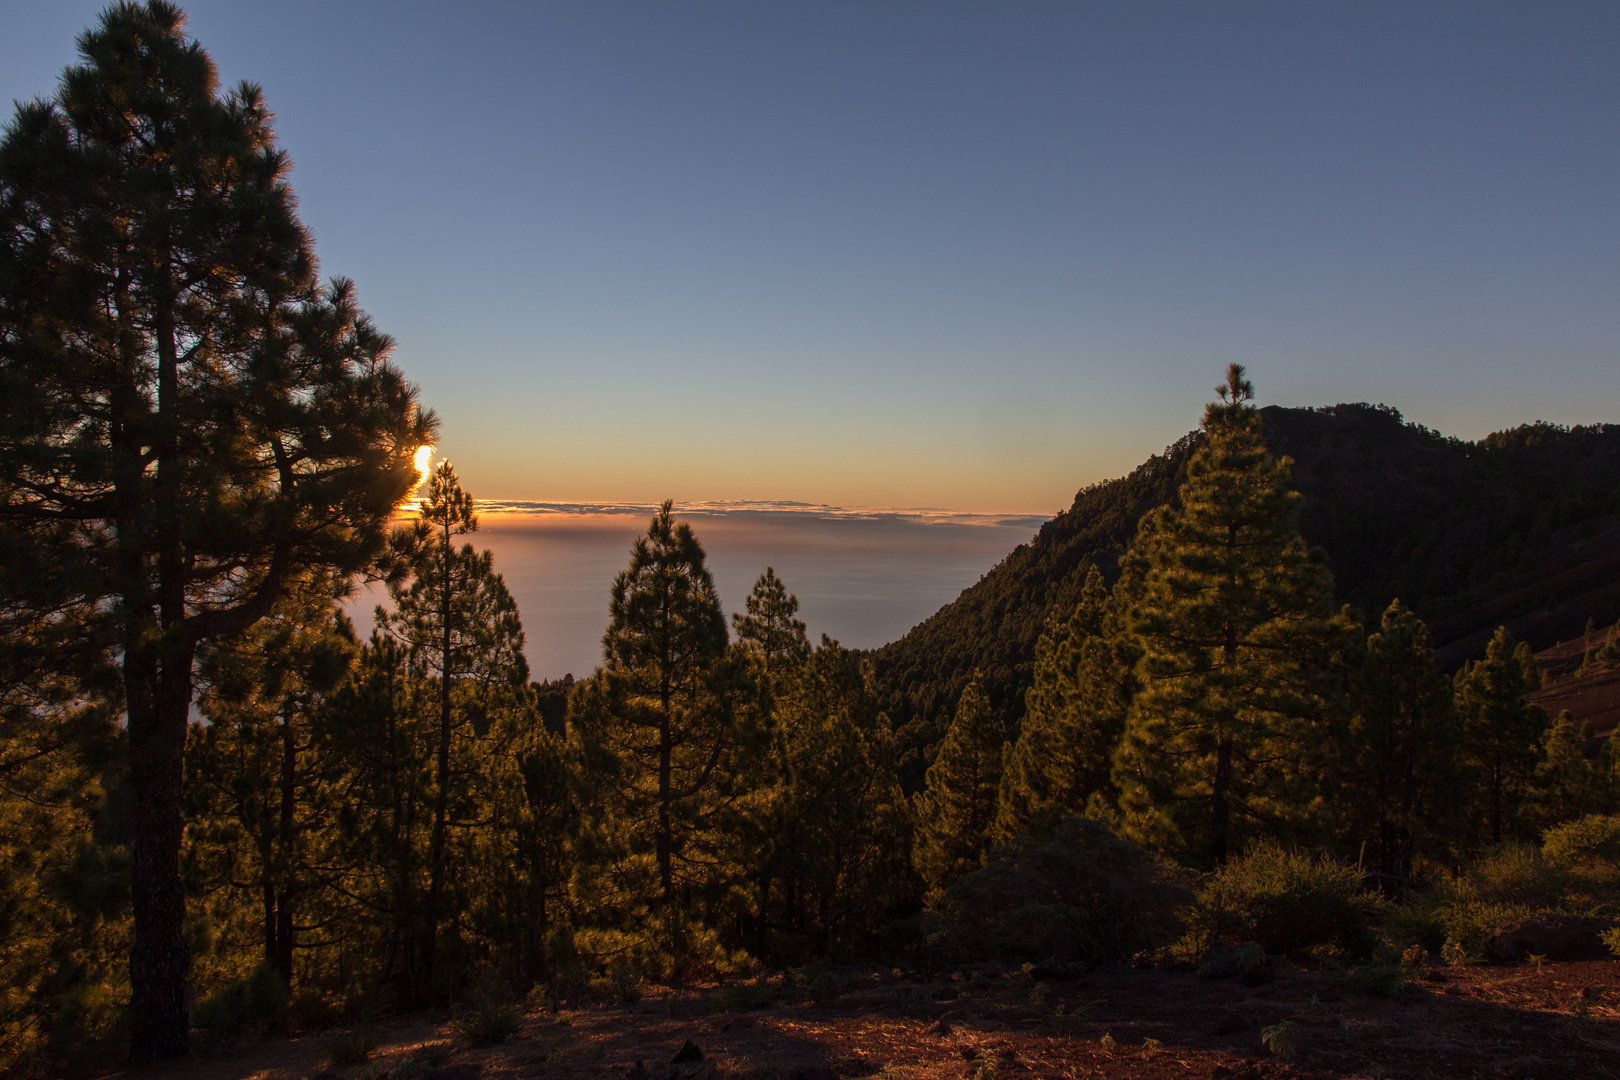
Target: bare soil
{"x":1556,"y":1021}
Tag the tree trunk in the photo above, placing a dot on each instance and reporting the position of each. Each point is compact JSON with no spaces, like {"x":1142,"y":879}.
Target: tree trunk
{"x":282,"y":958}
{"x":1220,"y":803}
{"x":159,"y":960}
{"x":441,"y":794}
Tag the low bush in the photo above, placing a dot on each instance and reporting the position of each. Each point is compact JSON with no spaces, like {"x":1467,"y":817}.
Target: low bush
{"x":1289,"y":903}
{"x":245,"y":1005}
{"x":1082,"y":895}
{"x":1568,"y":875}
{"x":745,"y":996}
{"x":1594,"y":838}
{"x":353,"y":1046}
{"x":490,"y":1015}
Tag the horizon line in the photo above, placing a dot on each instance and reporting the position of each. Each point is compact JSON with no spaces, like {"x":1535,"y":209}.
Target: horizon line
{"x":924,"y":515}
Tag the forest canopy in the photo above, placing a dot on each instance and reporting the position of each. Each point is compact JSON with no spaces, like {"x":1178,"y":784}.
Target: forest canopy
{"x":1175,"y":722}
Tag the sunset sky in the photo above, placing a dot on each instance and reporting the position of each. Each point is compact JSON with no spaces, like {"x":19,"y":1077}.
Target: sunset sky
{"x":936,"y":254}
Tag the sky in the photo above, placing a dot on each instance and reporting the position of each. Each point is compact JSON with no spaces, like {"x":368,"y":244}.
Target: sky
{"x":941,"y":254}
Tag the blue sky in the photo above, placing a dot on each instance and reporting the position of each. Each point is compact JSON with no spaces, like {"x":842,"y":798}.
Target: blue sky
{"x":936,"y":254}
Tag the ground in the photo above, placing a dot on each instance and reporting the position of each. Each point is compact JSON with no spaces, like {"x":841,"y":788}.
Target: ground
{"x":1555,"y":1021}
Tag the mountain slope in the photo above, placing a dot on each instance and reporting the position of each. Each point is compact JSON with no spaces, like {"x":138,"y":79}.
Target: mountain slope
{"x":1519,"y":528}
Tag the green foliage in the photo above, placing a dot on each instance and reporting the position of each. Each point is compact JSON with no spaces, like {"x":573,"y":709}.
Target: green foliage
{"x":1567,"y":784}
{"x":1284,"y":1039}
{"x":990,"y":632}
{"x":1074,"y":715}
{"x":1594,"y":838}
{"x":745,"y":996}
{"x":1501,"y":732}
{"x":489,"y":1016}
{"x":1400,"y":511}
{"x":955,"y":809}
{"x":769,"y":637}
{"x":1288,"y":902}
{"x":834,"y":830}
{"x":1240,"y":653}
{"x":353,"y":1046}
{"x":1380,"y":980}
{"x":1508,"y":883}
{"x":668,"y":760}
{"x":1082,"y":895}
{"x":192,"y":419}
{"x":1396,"y":774}
{"x":249,"y":1004}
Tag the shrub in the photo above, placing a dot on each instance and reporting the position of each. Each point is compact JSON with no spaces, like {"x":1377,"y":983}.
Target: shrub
{"x":250,"y":1004}
{"x":744,"y":996}
{"x":1594,"y":838}
{"x":352,"y":1047}
{"x":1083,"y":895}
{"x":490,"y":1016}
{"x":1509,"y":883}
{"x":1286,"y":902}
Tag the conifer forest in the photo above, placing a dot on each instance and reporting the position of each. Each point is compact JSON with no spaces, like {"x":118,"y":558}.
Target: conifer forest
{"x":1237,"y":708}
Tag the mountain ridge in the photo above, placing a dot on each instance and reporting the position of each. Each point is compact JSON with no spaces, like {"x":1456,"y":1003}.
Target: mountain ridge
{"x":1521,"y":528}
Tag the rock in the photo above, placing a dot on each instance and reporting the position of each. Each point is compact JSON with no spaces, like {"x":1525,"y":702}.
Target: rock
{"x":687,"y":1054}
{"x":1556,"y":937}
{"x":466,"y":1070}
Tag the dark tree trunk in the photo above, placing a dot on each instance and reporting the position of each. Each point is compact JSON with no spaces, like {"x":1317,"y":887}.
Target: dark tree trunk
{"x":281,"y":958}
{"x":159,"y":960}
{"x":1220,"y":803}
{"x":441,"y":794}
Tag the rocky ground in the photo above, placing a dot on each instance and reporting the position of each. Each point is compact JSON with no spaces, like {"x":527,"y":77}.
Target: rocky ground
{"x":1558,"y":1021}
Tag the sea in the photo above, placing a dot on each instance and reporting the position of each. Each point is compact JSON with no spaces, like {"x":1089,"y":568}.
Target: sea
{"x":863,"y":575}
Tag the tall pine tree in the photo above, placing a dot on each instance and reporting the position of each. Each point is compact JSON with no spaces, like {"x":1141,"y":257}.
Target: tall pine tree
{"x":1501,"y":731}
{"x":1235,"y":620}
{"x":1073,"y":719}
{"x":462,"y":633}
{"x":1397,"y":772}
{"x":657,"y":727}
{"x":957,"y":805}
{"x":187,"y":416}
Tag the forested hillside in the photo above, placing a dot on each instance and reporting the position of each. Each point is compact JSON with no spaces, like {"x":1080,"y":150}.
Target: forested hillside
{"x":1518,"y":528}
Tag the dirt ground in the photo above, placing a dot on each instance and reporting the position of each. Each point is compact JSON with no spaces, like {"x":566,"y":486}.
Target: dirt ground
{"x":1555,"y":1021}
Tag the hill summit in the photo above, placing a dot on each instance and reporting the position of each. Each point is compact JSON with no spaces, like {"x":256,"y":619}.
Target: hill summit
{"x":1521,"y":528}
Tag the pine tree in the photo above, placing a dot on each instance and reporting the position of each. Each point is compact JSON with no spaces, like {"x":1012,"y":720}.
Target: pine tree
{"x":1073,"y":719}
{"x":187,"y":417}
{"x":771,"y":640}
{"x":63,"y":879}
{"x":1234,"y":616}
{"x":835,"y":866}
{"x":462,"y":632}
{"x":656,"y":726}
{"x":253,"y":776}
{"x":1397,"y":774}
{"x":1501,"y":731}
{"x":956,"y":807}
{"x":1568,"y":784}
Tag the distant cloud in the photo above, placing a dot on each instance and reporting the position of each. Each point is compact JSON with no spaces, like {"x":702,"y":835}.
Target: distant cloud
{"x":769,"y":508}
